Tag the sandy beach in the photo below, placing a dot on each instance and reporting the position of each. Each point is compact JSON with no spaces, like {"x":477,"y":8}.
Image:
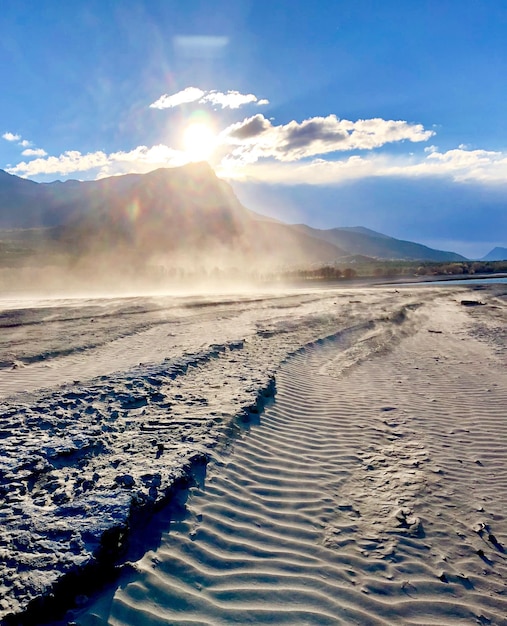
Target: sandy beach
{"x":320,"y":456}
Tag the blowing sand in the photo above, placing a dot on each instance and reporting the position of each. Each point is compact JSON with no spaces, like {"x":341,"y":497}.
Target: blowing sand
{"x":371,"y":490}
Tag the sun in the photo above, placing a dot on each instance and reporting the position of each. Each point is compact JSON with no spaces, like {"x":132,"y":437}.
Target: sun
{"x":199,"y":141}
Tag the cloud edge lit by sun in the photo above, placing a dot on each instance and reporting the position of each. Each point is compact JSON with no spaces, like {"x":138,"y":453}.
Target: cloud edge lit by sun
{"x":287,"y":153}
{"x":231,"y":99}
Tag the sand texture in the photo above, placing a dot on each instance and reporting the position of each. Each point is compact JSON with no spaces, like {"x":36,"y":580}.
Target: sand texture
{"x":372,"y":489}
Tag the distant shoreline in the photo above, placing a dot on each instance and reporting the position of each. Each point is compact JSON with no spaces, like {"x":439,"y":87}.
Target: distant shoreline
{"x":445,"y":278}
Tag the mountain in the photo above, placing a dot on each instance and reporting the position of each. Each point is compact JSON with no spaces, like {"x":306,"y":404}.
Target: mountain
{"x":179,"y":216}
{"x":23,"y":203}
{"x":497,"y":254}
{"x":363,"y":241}
{"x":365,"y":231}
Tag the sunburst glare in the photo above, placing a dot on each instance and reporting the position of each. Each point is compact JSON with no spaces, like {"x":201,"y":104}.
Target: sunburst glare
{"x":199,"y":141}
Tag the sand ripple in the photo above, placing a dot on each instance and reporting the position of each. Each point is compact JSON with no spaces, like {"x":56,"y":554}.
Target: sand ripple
{"x":373,"y":491}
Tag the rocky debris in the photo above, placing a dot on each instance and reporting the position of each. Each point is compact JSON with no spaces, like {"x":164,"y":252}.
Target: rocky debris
{"x":405,"y":521}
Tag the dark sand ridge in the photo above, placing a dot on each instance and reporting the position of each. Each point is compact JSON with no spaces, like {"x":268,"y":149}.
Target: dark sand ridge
{"x":373,"y":491}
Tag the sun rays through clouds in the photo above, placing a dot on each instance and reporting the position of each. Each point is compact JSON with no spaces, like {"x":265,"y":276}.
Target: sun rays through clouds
{"x":318,"y":150}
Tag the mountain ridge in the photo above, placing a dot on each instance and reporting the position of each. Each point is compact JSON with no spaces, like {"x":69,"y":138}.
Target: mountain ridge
{"x":170,"y":216}
{"x":496,"y":254}
{"x":185,"y":211}
{"x":363,"y":241}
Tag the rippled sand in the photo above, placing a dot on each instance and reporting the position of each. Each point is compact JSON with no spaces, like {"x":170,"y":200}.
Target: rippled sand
{"x":372,"y":490}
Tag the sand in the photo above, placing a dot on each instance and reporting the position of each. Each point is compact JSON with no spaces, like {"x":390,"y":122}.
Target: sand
{"x":371,"y":489}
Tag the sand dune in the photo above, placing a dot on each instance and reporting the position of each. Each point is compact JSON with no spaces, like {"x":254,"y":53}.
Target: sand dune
{"x":372,"y":491}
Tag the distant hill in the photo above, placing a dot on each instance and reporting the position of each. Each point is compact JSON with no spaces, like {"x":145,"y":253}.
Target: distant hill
{"x":364,"y":231}
{"x":497,"y":254}
{"x":23,"y":203}
{"x":363,"y":241}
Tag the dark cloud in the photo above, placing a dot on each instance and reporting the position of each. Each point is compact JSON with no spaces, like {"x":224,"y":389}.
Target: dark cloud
{"x":310,"y":131}
{"x":256,"y":137}
{"x":252,"y":127}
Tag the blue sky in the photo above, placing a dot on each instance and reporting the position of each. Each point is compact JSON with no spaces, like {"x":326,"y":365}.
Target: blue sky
{"x":335,"y":113}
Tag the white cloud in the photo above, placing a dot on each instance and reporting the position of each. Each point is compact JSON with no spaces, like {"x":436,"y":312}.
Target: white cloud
{"x":67,"y":163}
{"x":11,"y":137}
{"x":24,"y":143}
{"x":141,"y":159}
{"x":289,"y":153}
{"x":315,"y":172}
{"x":190,"y":94}
{"x":227,"y":100}
{"x":480,"y":166}
{"x":256,"y":137}
{"x":39,"y":152}
{"x":464,"y":165}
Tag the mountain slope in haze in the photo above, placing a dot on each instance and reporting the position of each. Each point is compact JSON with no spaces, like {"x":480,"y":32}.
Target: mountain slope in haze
{"x":23,"y":203}
{"x":365,"y":231}
{"x":363,"y":241}
{"x":189,"y":216}
{"x":184,"y":214}
{"x":180,"y":215}
{"x":497,"y":254}
{"x":158,"y":211}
